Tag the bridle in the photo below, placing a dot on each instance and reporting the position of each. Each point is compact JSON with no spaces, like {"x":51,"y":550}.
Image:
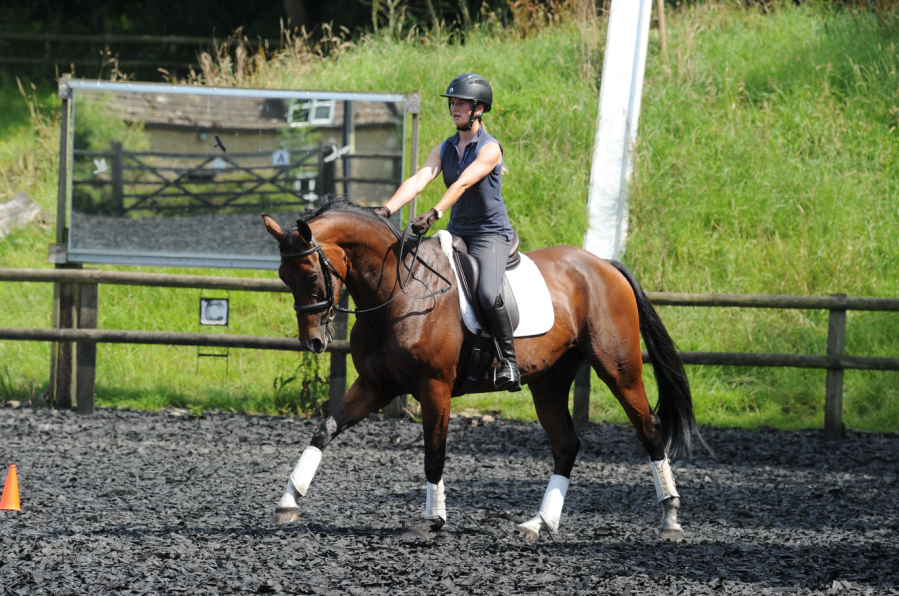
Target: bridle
{"x":328,"y":270}
{"x":328,"y":303}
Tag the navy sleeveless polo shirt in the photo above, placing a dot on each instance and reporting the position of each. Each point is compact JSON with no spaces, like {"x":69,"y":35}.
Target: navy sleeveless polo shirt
{"x":480,"y":209}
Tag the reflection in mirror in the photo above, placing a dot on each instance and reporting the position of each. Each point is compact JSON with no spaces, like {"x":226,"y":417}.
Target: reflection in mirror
{"x":181,"y":178}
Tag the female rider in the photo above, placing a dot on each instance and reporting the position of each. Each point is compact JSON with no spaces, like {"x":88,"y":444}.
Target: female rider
{"x":471,"y":161}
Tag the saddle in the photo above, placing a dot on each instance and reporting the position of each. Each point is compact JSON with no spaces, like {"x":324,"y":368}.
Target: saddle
{"x":470,"y":274}
{"x":482,"y":353}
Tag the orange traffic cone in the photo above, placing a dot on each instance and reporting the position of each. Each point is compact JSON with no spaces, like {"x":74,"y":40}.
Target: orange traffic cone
{"x":9,"y":501}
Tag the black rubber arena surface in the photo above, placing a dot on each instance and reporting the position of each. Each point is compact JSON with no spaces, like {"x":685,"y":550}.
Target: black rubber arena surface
{"x":138,"y":503}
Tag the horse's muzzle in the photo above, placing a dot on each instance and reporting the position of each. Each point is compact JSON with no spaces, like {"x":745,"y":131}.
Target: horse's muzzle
{"x":316,"y":345}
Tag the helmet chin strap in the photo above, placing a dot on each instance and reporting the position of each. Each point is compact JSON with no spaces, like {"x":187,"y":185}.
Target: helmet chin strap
{"x":471,"y":119}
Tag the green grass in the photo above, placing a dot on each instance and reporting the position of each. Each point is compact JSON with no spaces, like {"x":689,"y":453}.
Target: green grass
{"x":15,"y":117}
{"x":767,"y":163}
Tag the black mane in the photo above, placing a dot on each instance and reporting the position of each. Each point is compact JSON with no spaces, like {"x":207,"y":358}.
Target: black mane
{"x":338,"y":204}
{"x":333,"y":204}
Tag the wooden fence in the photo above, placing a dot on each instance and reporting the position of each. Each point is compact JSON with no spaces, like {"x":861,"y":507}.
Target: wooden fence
{"x":185,"y":182}
{"x":76,"y":317}
{"x":835,"y":361}
{"x":46,"y":44}
{"x":74,"y":336}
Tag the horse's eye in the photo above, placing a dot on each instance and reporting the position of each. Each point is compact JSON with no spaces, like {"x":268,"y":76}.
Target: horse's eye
{"x":311,"y":279}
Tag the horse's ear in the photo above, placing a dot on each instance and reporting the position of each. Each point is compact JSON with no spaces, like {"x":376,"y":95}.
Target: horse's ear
{"x":272,"y":226}
{"x":304,"y":231}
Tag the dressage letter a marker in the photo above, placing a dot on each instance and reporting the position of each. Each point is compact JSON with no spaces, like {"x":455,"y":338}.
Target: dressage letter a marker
{"x":281,"y":158}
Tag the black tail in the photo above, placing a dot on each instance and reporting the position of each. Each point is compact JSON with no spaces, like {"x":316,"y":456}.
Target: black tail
{"x":675,"y":406}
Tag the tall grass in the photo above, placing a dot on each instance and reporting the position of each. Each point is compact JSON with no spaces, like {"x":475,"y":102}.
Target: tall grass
{"x":545,"y":87}
{"x":766,"y":163}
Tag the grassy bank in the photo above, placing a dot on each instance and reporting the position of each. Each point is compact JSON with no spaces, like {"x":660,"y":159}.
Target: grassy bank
{"x":766,"y":163}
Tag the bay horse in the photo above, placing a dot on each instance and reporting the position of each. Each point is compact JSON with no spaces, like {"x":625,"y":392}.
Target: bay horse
{"x":401,"y":344}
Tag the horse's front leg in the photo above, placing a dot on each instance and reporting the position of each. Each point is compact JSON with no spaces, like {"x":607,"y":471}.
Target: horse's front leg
{"x":435,"y":412}
{"x":361,"y":400}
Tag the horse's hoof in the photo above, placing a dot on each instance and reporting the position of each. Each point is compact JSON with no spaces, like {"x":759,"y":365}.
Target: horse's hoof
{"x":671,"y":530}
{"x":423,"y":531}
{"x":672,"y":534}
{"x":417,"y":535}
{"x":285,"y":515}
{"x":530,"y":530}
{"x":528,"y":534}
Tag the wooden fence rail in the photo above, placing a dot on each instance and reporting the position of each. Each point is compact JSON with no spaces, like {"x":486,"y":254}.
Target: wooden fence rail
{"x":835,"y":361}
{"x":157,"y":280}
{"x":164,"y":41}
{"x":84,"y":302}
{"x":164,"y":338}
{"x":835,"y":302}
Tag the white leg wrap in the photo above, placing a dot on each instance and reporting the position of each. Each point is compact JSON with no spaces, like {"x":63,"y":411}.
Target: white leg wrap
{"x":663,"y":479}
{"x":435,"y":506}
{"x":288,"y":501}
{"x":553,"y":499}
{"x":305,"y":469}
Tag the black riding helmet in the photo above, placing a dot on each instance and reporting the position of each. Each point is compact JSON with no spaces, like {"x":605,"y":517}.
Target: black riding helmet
{"x":473,"y":87}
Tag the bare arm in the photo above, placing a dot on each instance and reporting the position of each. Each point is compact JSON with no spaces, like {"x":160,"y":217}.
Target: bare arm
{"x":489,"y":157}
{"x":416,"y":183}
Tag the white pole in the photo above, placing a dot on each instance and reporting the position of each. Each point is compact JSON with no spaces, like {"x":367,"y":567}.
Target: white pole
{"x":616,"y":135}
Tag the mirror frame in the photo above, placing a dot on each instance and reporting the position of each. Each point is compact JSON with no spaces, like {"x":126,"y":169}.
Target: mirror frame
{"x":109,"y":257}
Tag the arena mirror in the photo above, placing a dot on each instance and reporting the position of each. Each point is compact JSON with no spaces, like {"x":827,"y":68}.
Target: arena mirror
{"x":179,"y":175}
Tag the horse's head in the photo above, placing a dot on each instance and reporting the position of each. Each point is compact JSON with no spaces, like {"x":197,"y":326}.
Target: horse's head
{"x":304,"y":268}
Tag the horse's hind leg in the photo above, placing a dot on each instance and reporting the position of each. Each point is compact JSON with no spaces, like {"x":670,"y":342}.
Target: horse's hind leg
{"x":624,"y":377}
{"x":550,"y":393}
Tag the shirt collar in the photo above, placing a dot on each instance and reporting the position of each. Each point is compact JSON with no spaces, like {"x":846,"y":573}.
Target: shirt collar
{"x":474,"y":140}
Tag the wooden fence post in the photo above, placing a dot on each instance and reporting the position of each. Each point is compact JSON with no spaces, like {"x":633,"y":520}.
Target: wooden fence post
{"x":86,"y":353}
{"x":833,"y":401}
{"x":349,"y":140}
{"x":413,"y":106}
{"x":64,"y":373}
{"x":337,"y":383}
{"x":582,"y":397}
{"x":663,"y":36}
{"x":397,"y":408}
{"x":65,"y":299}
{"x":117,"y":175}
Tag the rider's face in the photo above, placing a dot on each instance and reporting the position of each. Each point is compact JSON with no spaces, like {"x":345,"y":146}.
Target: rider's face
{"x":460,"y":110}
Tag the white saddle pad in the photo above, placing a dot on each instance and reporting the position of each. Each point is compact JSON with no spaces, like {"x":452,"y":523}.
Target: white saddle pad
{"x":535,"y":305}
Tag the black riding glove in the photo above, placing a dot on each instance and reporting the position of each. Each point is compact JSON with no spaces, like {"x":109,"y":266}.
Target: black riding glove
{"x":423,"y":223}
{"x":383,"y":212}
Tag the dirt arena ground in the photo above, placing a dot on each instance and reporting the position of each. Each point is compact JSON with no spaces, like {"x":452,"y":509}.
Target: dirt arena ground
{"x":165,"y":503}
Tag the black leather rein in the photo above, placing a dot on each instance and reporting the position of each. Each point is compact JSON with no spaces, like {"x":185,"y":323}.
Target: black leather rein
{"x":333,"y":306}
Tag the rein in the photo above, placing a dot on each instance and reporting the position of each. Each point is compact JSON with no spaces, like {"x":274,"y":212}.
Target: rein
{"x":333,"y":306}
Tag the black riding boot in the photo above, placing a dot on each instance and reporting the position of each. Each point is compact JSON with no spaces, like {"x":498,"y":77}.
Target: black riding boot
{"x":507,"y":377}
